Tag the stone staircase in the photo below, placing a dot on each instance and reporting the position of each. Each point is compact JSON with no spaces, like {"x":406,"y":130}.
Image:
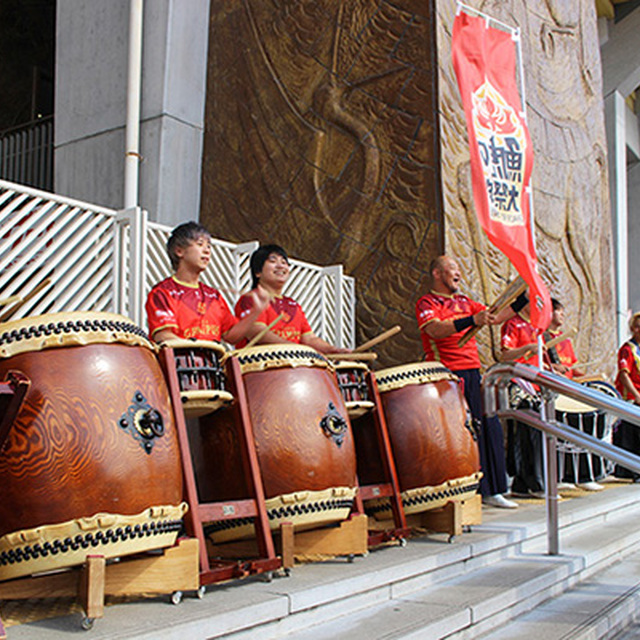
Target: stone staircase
{"x":495,"y":583}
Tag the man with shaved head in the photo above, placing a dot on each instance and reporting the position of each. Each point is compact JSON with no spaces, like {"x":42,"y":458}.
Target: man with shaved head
{"x":444,"y":315}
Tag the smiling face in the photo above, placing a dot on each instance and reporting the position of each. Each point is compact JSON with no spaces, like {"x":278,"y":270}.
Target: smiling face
{"x":447,"y":276}
{"x":274,"y":273}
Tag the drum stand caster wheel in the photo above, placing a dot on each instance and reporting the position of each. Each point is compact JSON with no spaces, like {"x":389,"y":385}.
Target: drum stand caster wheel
{"x":350,"y":558}
{"x":176,"y":597}
{"x":201,"y":591}
{"x":466,"y":528}
{"x":402,"y":542}
{"x":287,"y":572}
{"x":267,"y":576}
{"x":450,"y":539}
{"x":87,"y":623}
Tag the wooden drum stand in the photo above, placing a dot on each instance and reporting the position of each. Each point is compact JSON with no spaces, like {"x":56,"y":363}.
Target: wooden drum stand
{"x":253,"y":506}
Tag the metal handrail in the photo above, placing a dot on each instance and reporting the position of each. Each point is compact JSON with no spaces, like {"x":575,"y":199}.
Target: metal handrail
{"x":496,"y":403}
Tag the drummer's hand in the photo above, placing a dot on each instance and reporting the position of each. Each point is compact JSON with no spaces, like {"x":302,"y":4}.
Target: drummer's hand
{"x":260,"y":299}
{"x":341,"y":350}
{"x":484,"y":317}
{"x":559,"y":368}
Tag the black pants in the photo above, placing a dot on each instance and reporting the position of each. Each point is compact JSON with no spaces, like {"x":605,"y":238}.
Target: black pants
{"x":524,"y":458}
{"x":490,"y":437}
{"x":627,"y":436}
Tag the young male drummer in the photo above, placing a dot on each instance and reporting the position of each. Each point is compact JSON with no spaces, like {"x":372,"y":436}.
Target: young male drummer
{"x":183,"y":307}
{"x":562,"y":356}
{"x":443,"y":315}
{"x":270,"y":271}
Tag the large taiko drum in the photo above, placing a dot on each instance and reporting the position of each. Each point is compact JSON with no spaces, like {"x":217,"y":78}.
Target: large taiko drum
{"x":303,"y":441}
{"x":91,"y":464}
{"x":432,"y":441}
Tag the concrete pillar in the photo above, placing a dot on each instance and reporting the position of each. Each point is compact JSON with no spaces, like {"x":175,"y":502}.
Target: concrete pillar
{"x":90,"y":108}
{"x":616,"y":141}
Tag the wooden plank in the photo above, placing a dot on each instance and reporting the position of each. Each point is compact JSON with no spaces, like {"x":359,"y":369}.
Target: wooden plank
{"x":287,"y":544}
{"x":472,"y":510}
{"x":350,"y":538}
{"x":91,"y":591}
{"x":447,"y":519}
{"x":175,"y":570}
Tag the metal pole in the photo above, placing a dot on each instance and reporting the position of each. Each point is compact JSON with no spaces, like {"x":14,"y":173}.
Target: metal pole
{"x":551,"y":477}
{"x":132,"y":130}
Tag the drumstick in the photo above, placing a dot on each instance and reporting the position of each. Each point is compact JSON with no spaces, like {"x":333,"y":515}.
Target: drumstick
{"x":10,"y":300}
{"x":34,"y":292}
{"x":383,"y":336}
{"x":262,"y":333}
{"x":351,"y":356}
{"x":513,"y":290}
{"x":555,"y":341}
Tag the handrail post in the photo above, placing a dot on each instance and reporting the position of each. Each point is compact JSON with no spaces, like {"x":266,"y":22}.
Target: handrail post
{"x":550,"y":456}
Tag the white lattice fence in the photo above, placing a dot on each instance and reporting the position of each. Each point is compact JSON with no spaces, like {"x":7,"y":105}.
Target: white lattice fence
{"x":99,"y":259}
{"x":70,"y":242}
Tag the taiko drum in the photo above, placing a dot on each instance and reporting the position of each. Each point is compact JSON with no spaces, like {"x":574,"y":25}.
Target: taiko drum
{"x":302,"y":436}
{"x":91,"y":463}
{"x":433,"y":445}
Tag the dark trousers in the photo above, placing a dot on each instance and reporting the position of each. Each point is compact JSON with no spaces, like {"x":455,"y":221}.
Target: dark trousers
{"x":627,"y":436}
{"x":490,"y":437}
{"x":525,"y":461}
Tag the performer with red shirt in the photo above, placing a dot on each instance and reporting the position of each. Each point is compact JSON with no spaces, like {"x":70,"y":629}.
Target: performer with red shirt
{"x":519,"y":342}
{"x":443,"y":315}
{"x":562,"y":357}
{"x":627,"y":435}
{"x":183,"y":307}
{"x":270,"y":271}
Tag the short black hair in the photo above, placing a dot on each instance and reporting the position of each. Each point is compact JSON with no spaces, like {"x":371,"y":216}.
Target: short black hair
{"x":259,"y":257}
{"x":181,"y":237}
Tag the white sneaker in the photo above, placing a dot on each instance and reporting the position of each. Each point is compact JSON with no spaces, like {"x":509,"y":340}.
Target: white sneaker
{"x":499,"y":501}
{"x":566,"y":486}
{"x":590,"y":486}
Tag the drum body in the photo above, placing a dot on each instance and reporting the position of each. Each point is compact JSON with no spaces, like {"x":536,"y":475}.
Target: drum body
{"x":91,"y":464}
{"x":575,"y":464}
{"x":201,"y":376}
{"x":352,"y":380}
{"x":433,"y":445}
{"x":303,"y":442}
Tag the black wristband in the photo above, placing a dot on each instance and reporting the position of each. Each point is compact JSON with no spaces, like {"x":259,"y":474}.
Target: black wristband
{"x":520,"y":302}
{"x":462,"y":323}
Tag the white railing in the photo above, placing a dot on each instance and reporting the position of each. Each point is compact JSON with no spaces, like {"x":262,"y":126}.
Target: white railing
{"x":99,"y":259}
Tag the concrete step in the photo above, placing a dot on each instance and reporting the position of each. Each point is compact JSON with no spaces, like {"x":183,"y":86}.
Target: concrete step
{"x":428,"y":589}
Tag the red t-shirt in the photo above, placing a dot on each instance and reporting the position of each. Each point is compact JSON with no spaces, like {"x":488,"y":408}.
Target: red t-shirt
{"x":565,"y":352}
{"x":629,"y":361}
{"x":190,"y":311}
{"x":293,"y":325}
{"x":438,"y":306}
{"x":517,"y":332}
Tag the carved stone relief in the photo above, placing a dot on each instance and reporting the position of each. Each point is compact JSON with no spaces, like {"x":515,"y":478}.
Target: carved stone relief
{"x":570,"y":184}
{"x":321,"y":135}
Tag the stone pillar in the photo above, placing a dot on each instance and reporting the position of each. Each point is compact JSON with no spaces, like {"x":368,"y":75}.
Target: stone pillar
{"x":90,"y":103}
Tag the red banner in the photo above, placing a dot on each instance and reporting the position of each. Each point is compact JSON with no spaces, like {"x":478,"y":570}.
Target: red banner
{"x":500,"y":147}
